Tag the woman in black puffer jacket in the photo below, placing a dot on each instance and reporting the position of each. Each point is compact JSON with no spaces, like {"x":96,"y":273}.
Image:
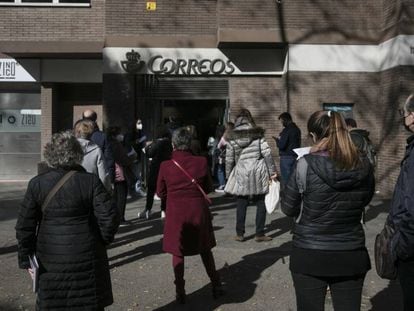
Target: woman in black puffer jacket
{"x":74,"y":228}
{"x":328,"y":237}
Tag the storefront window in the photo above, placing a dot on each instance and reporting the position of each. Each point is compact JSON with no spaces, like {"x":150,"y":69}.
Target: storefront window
{"x":20,"y":118}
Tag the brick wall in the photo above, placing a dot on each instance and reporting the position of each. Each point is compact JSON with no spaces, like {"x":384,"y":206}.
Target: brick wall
{"x":53,"y":23}
{"x":306,"y":21}
{"x":171,"y":17}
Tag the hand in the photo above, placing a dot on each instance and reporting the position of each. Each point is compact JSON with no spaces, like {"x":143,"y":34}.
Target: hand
{"x":274,"y":176}
{"x":31,"y":272}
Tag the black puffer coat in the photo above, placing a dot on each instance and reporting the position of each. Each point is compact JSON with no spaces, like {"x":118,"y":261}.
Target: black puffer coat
{"x":70,"y":246}
{"x":333,"y":204}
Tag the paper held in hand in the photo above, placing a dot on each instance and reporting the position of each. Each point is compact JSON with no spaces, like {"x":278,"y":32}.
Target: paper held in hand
{"x":34,"y":265}
{"x":301,"y":151}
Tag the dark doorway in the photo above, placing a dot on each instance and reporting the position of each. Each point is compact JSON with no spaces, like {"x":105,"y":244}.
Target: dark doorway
{"x":205,"y":115}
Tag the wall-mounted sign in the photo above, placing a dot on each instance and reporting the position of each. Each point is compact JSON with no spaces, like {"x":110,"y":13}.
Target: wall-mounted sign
{"x":151,"y":5}
{"x":20,"y":120}
{"x":12,"y":71}
{"x":194,"y":62}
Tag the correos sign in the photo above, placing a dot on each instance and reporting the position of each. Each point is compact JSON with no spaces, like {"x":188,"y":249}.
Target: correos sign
{"x":178,"y":62}
{"x":160,"y":65}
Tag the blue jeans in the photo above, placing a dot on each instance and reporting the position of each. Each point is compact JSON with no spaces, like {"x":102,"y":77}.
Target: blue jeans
{"x":242,"y":203}
{"x":220,"y":174}
{"x":286,"y":167}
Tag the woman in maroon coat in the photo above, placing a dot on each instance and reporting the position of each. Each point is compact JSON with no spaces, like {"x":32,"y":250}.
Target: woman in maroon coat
{"x":188,"y":228}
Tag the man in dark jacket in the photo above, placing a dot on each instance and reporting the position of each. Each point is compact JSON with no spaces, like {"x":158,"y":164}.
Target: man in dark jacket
{"x":402,"y":213}
{"x":98,"y":137}
{"x":288,"y":140}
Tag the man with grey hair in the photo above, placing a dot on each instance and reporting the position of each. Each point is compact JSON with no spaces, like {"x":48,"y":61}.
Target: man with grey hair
{"x":93,"y":160}
{"x":98,"y":137}
{"x":401,"y":215}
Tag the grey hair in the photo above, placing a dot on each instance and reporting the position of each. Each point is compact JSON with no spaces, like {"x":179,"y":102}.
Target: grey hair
{"x":63,"y":150}
{"x":409,"y":103}
{"x":181,"y":139}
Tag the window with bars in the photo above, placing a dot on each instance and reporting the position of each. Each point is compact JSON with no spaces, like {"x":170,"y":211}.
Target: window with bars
{"x":46,"y":2}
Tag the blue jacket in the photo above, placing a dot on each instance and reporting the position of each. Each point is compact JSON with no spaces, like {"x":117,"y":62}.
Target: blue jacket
{"x":402,"y":207}
{"x":288,"y":140}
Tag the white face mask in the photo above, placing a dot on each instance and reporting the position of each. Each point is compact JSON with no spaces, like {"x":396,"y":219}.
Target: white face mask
{"x":120,"y":138}
{"x":139,"y":126}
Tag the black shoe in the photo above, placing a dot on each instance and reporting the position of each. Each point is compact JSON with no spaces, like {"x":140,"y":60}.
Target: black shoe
{"x":218,"y":291}
{"x":180,"y":298}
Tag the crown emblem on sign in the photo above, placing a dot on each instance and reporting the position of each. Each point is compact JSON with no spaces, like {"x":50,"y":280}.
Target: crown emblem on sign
{"x":133,"y":56}
{"x":133,"y":64}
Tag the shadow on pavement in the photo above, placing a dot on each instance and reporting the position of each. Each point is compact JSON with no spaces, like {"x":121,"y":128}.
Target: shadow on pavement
{"x":240,"y":281}
{"x":390,"y":298}
{"x":376,"y":208}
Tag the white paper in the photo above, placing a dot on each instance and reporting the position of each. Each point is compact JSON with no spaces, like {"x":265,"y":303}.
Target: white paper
{"x":302,"y":151}
{"x":34,"y":265}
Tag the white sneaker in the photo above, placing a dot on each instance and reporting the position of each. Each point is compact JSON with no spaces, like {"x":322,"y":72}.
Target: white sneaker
{"x":156,"y":198}
{"x":145,"y":214}
{"x":162,"y":215}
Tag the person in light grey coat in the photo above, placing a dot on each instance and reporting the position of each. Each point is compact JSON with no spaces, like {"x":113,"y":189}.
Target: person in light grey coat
{"x":249,"y":167}
{"x":93,"y":160}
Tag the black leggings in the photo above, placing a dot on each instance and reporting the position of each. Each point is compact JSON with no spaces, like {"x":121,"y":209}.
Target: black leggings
{"x":310,"y":291}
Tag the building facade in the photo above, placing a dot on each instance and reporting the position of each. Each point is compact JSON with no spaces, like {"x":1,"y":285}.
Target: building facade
{"x":201,"y":61}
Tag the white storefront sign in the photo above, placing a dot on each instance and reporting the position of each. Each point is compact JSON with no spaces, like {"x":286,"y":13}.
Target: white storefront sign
{"x":12,"y":71}
{"x":193,"y":62}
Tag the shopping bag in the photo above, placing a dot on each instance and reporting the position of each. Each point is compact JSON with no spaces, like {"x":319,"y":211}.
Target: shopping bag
{"x":272,"y":198}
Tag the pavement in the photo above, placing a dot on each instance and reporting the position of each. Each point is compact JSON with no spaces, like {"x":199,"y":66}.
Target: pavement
{"x":256,"y":275}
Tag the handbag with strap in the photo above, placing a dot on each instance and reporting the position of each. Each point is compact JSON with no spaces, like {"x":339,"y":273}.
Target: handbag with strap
{"x":384,"y":261}
{"x":56,"y":188}
{"x":193,"y":181}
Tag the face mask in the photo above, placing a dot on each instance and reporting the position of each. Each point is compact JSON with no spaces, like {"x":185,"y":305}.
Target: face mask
{"x":120,"y":138}
{"x":139,"y":126}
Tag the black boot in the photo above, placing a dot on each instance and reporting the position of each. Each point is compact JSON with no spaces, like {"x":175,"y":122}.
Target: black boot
{"x":217,"y":287}
{"x":180,"y":291}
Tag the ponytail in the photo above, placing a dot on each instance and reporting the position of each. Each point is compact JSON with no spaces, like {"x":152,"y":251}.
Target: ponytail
{"x":332,"y":127}
{"x":341,"y":148}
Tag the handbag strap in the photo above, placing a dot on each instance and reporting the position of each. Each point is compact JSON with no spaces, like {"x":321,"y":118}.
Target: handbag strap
{"x":56,"y":188}
{"x":193,"y":181}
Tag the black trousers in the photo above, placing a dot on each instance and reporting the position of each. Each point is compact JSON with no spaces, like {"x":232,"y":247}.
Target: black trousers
{"x":242,"y":203}
{"x":406,"y":278}
{"x":120,"y":196}
{"x":150,"y":198}
{"x":310,"y":291}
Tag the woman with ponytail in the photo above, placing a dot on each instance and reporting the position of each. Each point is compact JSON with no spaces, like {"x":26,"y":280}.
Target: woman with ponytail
{"x":327,"y":193}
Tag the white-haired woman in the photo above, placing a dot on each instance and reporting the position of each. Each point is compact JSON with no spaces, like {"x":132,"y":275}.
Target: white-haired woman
{"x":69,"y":236}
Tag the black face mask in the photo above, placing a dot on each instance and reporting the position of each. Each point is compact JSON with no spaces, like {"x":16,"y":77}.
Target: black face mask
{"x":285,"y":123}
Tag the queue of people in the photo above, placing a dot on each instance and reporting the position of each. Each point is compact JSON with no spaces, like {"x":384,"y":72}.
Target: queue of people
{"x":324,"y":191}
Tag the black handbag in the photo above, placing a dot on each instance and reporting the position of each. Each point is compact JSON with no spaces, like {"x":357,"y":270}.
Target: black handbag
{"x":384,"y":261}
